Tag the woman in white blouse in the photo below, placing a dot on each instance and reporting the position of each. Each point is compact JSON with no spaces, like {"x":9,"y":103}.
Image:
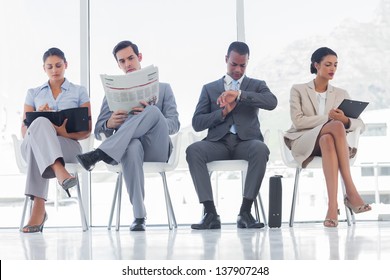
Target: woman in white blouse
{"x":319,"y":129}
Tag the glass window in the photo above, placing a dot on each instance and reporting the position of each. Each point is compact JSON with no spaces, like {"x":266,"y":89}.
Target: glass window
{"x":384,"y":171}
{"x":367,"y":171}
{"x":375,"y":129}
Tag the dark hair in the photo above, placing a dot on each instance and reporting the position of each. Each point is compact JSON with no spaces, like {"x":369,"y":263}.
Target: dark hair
{"x":54,"y":51}
{"x":124,"y":44}
{"x":318,"y":56}
{"x":238,"y":47}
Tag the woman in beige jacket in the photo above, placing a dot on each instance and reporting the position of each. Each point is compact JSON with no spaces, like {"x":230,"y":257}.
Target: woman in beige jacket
{"x":319,"y":129}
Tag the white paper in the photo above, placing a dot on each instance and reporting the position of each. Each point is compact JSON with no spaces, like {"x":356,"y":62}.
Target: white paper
{"x":123,"y":92}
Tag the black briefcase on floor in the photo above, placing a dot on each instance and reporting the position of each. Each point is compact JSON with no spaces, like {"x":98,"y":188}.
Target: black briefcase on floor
{"x":275,"y":201}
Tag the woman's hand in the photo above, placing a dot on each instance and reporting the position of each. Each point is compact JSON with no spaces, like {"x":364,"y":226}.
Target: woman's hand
{"x":61,"y":130}
{"x":338,"y":115}
{"x":43,"y":108}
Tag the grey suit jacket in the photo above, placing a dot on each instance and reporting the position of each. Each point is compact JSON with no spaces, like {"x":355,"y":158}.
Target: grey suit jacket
{"x":255,"y":95}
{"x":166,"y":103}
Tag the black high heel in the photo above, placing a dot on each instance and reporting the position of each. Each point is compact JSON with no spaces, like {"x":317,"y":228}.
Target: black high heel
{"x":36,"y":228}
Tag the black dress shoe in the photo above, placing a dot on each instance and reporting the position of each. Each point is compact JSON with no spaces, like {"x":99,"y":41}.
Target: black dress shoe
{"x":138,"y":225}
{"x":246,"y":220}
{"x":209,"y":221}
{"x":88,"y":160}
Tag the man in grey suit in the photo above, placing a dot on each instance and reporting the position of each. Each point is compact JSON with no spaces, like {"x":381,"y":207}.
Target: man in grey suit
{"x":142,"y":135}
{"x":229,"y":109}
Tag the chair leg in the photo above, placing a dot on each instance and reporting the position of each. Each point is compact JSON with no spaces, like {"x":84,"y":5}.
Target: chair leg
{"x":27,"y":203}
{"x":350,"y":216}
{"x":114,"y":199}
{"x":170,"y":213}
{"x":243,"y":178}
{"x":295,"y":193}
{"x":215,"y":191}
{"x":256,"y":209}
{"x":84,"y":222}
{"x":119,"y":203}
{"x":262,"y":209}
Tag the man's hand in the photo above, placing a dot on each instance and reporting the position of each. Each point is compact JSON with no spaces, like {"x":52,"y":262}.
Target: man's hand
{"x":117,"y":118}
{"x":227,"y":101}
{"x":140,"y":109}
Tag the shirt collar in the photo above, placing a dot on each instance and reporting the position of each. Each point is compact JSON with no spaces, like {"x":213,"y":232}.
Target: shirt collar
{"x":65,"y":85}
{"x":228,"y":80}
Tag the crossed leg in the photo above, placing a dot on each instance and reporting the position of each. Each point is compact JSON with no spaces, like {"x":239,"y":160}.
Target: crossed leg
{"x":332,"y":145}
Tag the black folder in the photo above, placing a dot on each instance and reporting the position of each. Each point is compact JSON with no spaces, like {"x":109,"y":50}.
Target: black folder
{"x":78,"y":119}
{"x":352,"y":108}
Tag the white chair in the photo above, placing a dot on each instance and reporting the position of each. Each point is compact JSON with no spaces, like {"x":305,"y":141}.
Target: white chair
{"x":72,"y":168}
{"x":149,"y":167}
{"x":289,"y":161}
{"x":235,"y":165}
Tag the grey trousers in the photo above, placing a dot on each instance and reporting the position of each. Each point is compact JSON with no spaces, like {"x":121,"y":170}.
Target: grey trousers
{"x":41,"y":147}
{"x":141,"y":138}
{"x":229,"y":147}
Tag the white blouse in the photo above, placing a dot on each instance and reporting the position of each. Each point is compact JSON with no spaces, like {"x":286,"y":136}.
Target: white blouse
{"x":321,"y":97}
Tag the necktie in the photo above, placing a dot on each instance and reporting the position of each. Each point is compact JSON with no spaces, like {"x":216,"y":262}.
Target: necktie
{"x":234,"y":86}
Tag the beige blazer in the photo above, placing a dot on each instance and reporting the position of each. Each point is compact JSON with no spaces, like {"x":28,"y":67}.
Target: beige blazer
{"x":306,"y":123}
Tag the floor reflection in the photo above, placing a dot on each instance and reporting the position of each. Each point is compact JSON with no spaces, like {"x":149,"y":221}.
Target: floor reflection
{"x":365,"y":240}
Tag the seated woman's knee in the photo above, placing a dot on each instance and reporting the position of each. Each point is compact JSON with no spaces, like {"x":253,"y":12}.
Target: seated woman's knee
{"x":40,"y":121}
{"x":326,"y":141}
{"x":337,"y":126}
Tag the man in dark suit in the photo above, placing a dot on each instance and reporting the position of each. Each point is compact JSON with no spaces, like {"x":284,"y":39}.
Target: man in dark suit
{"x":229,"y":109}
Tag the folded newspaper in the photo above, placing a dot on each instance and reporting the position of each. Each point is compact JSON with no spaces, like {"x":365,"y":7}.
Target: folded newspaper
{"x":124,"y":92}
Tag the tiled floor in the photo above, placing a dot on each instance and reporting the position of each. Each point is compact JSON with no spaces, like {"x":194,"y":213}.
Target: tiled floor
{"x":306,"y":241}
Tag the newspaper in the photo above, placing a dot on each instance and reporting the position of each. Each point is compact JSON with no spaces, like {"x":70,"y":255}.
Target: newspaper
{"x":123,"y":92}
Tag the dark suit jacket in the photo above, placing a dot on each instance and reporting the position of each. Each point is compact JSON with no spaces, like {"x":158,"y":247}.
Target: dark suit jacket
{"x":255,"y":95}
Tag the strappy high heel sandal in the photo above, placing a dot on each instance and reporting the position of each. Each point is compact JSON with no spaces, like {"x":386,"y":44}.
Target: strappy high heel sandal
{"x":68,"y":183}
{"x":35,"y":228}
{"x":332,"y":222}
{"x":356,"y":209}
